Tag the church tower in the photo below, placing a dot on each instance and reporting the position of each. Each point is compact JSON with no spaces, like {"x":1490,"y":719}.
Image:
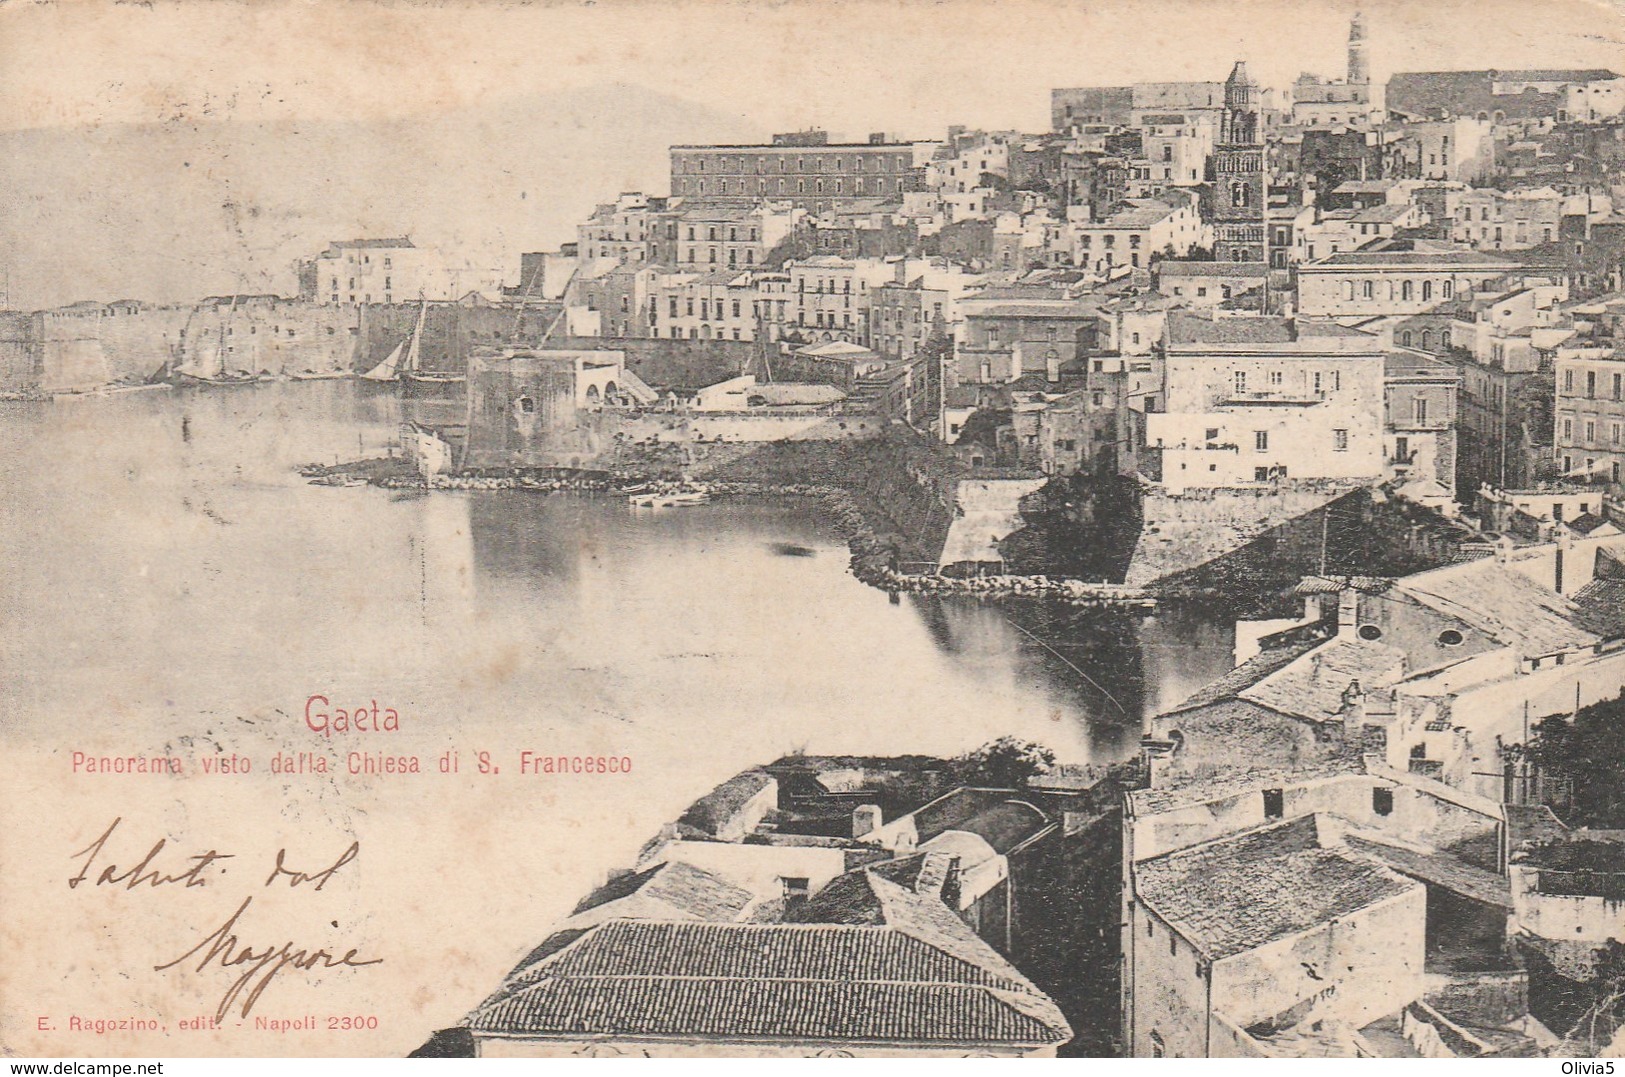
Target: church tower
{"x":1240,"y":192}
{"x":1359,"y":70}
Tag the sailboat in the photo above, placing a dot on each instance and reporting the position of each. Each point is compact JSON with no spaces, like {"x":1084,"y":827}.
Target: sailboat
{"x":416,"y":379}
{"x":386,"y":370}
{"x":211,"y":369}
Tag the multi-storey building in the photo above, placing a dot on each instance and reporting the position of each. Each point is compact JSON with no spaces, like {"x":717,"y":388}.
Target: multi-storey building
{"x":1174,"y":150}
{"x":1420,"y":396}
{"x":388,"y":271}
{"x":831,"y":296}
{"x":920,"y":301}
{"x":717,"y":305}
{"x":959,"y":166}
{"x":1137,"y":229}
{"x":1012,"y":332}
{"x":1460,"y":150}
{"x":1590,"y":415}
{"x":1486,"y":218}
{"x":1259,"y":399}
{"x":718,"y":235}
{"x":1360,"y":284}
{"x":805,"y":169}
{"x":624,"y":230}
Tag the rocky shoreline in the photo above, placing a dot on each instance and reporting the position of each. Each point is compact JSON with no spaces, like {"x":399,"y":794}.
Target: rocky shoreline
{"x":875,"y":555}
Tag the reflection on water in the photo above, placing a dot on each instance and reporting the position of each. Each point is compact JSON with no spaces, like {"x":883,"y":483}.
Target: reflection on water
{"x":173,"y":584}
{"x":212,"y":568}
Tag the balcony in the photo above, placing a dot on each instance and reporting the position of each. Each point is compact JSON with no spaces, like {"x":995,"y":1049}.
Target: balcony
{"x":1275,"y":398}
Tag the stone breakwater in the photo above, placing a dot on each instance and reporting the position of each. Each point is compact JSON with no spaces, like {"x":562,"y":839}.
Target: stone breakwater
{"x":874,"y":554}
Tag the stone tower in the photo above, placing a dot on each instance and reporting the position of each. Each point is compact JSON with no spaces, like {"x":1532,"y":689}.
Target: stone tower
{"x":1239,"y":188}
{"x":1359,"y":70}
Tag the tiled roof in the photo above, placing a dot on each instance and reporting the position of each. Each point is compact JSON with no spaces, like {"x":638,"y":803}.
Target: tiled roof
{"x":1601,"y":608}
{"x":1184,"y":790}
{"x":780,"y":981}
{"x":1265,"y":329}
{"x":1382,"y":214}
{"x":1441,"y":869}
{"x":1055,"y":308}
{"x":1234,"y":895}
{"x":1401,"y":363}
{"x":369,"y":244}
{"x":1174,"y":268}
{"x":1245,"y":675}
{"x":1312,"y":687}
{"x":1502,"y":603}
{"x":668,"y":891}
{"x":1399,"y":258}
{"x":1587,"y":523}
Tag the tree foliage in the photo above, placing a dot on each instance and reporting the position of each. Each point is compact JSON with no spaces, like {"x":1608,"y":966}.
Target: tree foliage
{"x":1589,"y":750}
{"x":1005,"y":763}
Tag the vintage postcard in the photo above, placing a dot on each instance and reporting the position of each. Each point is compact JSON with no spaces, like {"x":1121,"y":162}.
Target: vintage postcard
{"x":789,"y":528}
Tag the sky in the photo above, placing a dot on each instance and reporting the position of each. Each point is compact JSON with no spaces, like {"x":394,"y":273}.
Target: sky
{"x":176,"y":148}
{"x":852,"y":66}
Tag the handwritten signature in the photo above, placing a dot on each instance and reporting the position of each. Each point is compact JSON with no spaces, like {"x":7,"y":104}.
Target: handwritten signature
{"x":222,"y":947}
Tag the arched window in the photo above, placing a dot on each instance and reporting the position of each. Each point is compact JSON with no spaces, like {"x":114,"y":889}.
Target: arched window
{"x":1405,"y":290}
{"x":1444,"y":338}
{"x":1449,"y":288}
{"x":1405,"y":339}
{"x":1427,"y":290}
{"x":1427,"y":338}
{"x":1238,"y":194}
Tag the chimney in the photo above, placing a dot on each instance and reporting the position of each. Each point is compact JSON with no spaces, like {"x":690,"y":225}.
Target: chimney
{"x":866,"y":819}
{"x":1348,"y":612}
{"x":1052,"y":365}
{"x":1353,"y":713}
{"x":939,"y":878}
{"x":1565,"y":540}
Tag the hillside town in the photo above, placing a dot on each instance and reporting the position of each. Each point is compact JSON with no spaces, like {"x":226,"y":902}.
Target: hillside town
{"x":1344,"y":360}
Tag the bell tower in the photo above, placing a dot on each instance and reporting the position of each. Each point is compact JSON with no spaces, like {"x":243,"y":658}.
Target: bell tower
{"x":1359,"y":70}
{"x":1240,"y":191}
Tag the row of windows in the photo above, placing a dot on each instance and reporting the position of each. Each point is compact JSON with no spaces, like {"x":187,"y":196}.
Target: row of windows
{"x":1110,"y":240}
{"x":1405,"y":291}
{"x":712,"y":232}
{"x":1590,"y":471}
{"x":705,"y":307}
{"x":1590,"y":429}
{"x":1424,"y":339}
{"x":859,"y":187}
{"x":1316,"y":381}
{"x":1591,"y":383}
{"x":733,"y":256}
{"x":882,"y":162}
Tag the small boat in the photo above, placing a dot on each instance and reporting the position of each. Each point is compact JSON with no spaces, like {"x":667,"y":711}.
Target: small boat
{"x":669,"y":501}
{"x":210,"y":369}
{"x":319,"y":375}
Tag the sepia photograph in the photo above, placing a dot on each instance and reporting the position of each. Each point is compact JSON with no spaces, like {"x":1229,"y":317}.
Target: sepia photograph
{"x":811,"y":528}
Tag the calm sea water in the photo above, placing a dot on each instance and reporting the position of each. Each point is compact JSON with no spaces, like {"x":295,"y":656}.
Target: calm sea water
{"x":172,"y":584}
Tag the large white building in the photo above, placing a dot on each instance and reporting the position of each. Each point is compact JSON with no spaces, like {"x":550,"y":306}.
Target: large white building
{"x":1257,"y":399}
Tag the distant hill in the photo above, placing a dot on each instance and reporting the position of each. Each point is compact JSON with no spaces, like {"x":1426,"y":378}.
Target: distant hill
{"x":182,"y":209}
